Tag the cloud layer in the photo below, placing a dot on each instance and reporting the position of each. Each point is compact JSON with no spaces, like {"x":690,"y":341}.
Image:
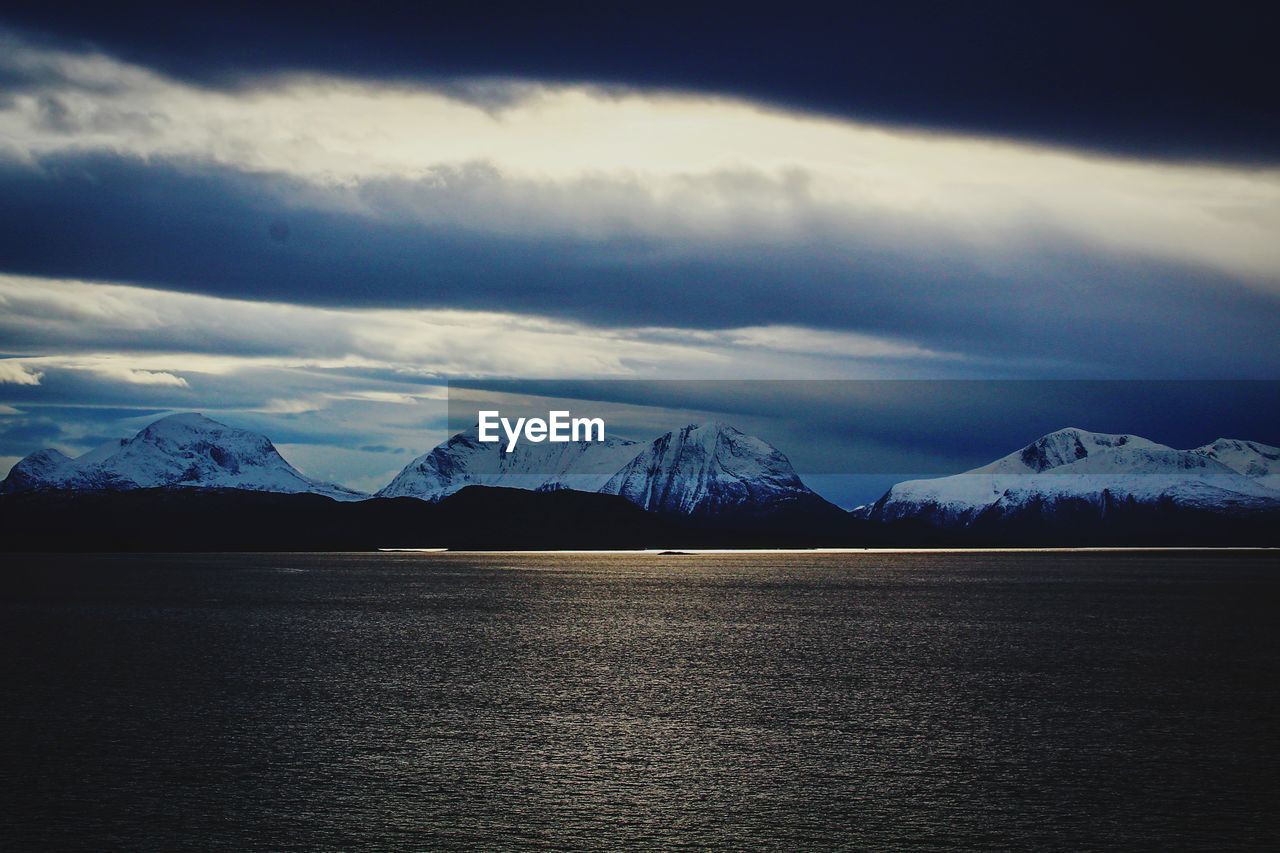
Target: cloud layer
{"x":1137,"y":78}
{"x":315,"y":253}
{"x":633,"y":209}
{"x":354,"y":393}
{"x":585,"y":162}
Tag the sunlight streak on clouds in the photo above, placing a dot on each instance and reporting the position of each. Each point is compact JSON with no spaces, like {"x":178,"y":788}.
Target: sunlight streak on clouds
{"x":134,"y":376}
{"x":143,"y":336}
{"x":14,"y":372}
{"x":112,"y":367}
{"x":585,"y":160}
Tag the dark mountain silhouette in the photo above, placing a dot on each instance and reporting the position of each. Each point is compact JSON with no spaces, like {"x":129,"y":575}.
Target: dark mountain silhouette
{"x":488,"y":518}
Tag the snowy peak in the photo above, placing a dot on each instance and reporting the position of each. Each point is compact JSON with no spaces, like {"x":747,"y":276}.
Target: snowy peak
{"x":1249,"y":458}
{"x":1064,"y":447}
{"x":1080,"y":468}
{"x":709,"y":468}
{"x":34,"y":471}
{"x":187,"y":450}
{"x":464,"y":460}
{"x":184,"y":421}
{"x":199,"y":438}
{"x":191,"y":449}
{"x":700,"y":469}
{"x":190,"y":426}
{"x":48,"y":460}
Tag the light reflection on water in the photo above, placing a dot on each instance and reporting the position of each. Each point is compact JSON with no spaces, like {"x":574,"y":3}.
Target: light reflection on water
{"x":725,"y":700}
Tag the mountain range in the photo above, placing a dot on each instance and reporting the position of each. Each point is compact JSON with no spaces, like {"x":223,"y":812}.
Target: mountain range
{"x":464,"y":460}
{"x":185,"y":450}
{"x":702,"y":470}
{"x":1069,"y":483}
{"x":1073,"y":470}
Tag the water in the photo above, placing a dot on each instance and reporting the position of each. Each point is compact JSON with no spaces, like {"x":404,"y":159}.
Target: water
{"x":304,"y":701}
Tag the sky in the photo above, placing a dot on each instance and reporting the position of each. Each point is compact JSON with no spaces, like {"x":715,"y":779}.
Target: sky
{"x":308,"y":224}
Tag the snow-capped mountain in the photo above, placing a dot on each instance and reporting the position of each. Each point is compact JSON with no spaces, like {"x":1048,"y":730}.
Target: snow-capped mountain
{"x":1080,"y":469}
{"x":1259,"y":462}
{"x":710,"y":469}
{"x":44,"y":469}
{"x":698,"y":470}
{"x":187,"y":450}
{"x":464,"y":460}
{"x":1064,"y":447}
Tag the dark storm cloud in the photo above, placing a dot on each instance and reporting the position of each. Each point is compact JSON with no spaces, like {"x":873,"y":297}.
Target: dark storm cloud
{"x":1153,"y":79}
{"x":1061,"y":308}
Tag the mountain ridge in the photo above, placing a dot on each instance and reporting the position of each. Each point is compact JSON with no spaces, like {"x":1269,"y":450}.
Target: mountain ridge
{"x":1070,"y":484}
{"x":1077,"y":468}
{"x":186,"y":449}
{"x":463,"y":460}
{"x":701,"y":469}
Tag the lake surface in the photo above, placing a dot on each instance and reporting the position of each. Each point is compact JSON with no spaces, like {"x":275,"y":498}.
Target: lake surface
{"x":883,"y":701}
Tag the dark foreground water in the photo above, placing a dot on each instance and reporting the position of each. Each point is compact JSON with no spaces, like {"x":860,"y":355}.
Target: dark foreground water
{"x":281,"y":701}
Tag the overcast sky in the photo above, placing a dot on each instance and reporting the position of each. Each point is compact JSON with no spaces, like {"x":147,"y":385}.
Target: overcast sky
{"x":307,"y":225}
